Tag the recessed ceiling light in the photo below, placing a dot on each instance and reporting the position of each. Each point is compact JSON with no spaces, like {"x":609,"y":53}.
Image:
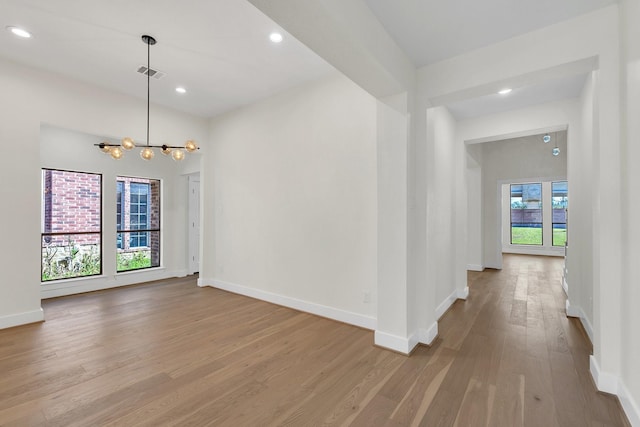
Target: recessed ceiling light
{"x":180,"y":89}
{"x":275,"y":37}
{"x":20,"y":32}
{"x":505,"y":91}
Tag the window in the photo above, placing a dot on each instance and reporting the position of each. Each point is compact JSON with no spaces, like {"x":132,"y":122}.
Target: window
{"x":559,"y":202}
{"x":138,"y":223}
{"x":139,"y":214}
{"x":71,"y":239}
{"x":526,"y":214}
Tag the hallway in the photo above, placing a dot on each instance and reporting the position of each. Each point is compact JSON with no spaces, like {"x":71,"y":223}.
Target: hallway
{"x":517,"y":356}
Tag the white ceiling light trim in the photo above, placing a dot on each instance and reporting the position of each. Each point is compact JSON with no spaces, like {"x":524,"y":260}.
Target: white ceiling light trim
{"x":20,"y":32}
{"x":275,"y":37}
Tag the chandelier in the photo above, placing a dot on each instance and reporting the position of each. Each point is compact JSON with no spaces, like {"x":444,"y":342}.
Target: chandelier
{"x":117,"y":150}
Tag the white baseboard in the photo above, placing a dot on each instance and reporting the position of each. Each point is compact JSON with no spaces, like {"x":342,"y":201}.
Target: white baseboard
{"x":428,"y":335}
{"x":475,"y":267}
{"x":406,"y":345}
{"x":629,"y":405}
{"x":533,"y":250}
{"x":575,"y":311}
{"x":448,"y":301}
{"x":604,"y":381}
{"x":395,"y":342}
{"x":444,"y":305}
{"x":612,"y":384}
{"x":180,"y":273}
{"x":23,"y":318}
{"x":340,"y":315}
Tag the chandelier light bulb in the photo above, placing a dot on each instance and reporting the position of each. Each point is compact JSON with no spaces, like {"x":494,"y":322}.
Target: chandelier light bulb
{"x":147,"y":153}
{"x":104,"y":147}
{"x":190,"y":146}
{"x":127,"y":143}
{"x":546,"y":139}
{"x":177,"y":155}
{"x":166,"y":150}
{"x":556,"y":151}
{"x":116,"y":153}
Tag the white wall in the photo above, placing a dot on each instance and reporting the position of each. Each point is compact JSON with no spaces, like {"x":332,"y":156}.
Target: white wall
{"x":630,"y":387}
{"x":29,"y":99}
{"x":290,"y":200}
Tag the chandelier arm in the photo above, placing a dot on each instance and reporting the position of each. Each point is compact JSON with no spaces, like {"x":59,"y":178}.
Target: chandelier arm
{"x":109,"y":144}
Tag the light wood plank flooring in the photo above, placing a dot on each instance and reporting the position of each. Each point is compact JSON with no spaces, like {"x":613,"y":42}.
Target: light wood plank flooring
{"x":170,"y":353}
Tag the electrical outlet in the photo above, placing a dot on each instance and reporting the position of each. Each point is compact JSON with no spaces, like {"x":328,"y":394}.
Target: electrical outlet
{"x":366,"y":297}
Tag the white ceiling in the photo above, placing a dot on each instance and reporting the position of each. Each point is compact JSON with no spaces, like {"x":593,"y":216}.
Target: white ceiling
{"x":430,"y":31}
{"x":520,"y":97}
{"x":219,"y":50}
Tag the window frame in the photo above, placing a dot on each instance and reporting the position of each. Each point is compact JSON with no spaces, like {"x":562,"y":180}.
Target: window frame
{"x":566,"y":205}
{"x":541,"y":208}
{"x":44,"y":234}
{"x":125,"y":232}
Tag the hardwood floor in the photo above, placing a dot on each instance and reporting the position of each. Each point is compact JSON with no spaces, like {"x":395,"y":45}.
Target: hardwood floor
{"x":170,"y":353}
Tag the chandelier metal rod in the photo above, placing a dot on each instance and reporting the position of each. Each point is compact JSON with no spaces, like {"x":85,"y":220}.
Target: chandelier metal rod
{"x":150,"y":40}
{"x":110,"y":144}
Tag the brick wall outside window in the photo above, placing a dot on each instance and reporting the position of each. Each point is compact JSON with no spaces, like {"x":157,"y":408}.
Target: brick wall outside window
{"x":71,"y":204}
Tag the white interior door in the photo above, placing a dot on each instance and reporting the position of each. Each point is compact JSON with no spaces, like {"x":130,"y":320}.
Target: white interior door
{"x":194,"y":223}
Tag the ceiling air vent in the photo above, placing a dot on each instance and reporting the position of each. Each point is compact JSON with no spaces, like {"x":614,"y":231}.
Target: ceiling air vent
{"x":155,"y":74}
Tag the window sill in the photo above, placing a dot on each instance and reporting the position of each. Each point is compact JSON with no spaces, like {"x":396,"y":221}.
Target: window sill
{"x":140,"y":270}
{"x":73,"y":280}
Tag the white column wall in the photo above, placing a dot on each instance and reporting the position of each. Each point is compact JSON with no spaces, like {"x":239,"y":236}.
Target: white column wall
{"x":441,"y":214}
{"x":579,"y":260}
{"x":629,"y":389}
{"x":393,"y":310}
{"x":472,"y":193}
